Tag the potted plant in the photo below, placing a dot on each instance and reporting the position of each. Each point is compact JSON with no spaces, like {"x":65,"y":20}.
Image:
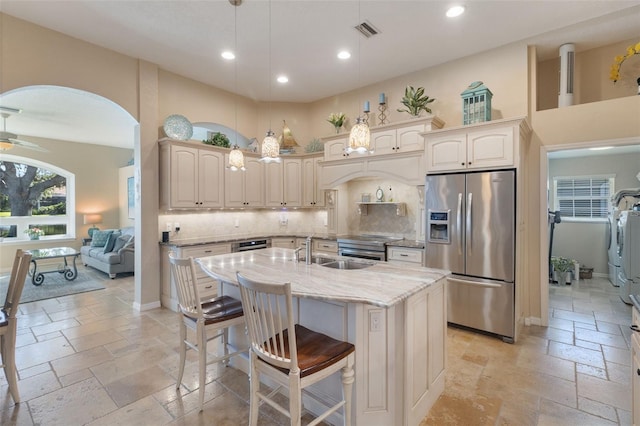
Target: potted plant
{"x":218,"y":139}
{"x":337,"y":119}
{"x":34,"y":233}
{"x":415,"y":101}
{"x":562,"y":266}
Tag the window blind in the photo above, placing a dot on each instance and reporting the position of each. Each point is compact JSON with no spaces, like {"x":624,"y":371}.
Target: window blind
{"x":584,"y":197}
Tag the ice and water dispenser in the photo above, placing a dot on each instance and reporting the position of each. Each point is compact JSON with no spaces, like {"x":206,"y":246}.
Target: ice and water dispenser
{"x":439,"y":227}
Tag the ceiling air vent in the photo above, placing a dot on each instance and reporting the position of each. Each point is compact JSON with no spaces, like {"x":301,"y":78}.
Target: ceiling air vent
{"x":367,"y":29}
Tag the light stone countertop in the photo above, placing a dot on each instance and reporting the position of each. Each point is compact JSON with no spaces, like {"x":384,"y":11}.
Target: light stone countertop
{"x":383,"y":284}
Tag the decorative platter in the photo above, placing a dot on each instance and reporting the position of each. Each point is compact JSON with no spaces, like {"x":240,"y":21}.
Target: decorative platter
{"x":178,"y":127}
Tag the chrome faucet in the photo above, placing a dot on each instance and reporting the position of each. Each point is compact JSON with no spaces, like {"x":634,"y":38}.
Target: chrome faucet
{"x":308,"y":251}
{"x":296,"y":254}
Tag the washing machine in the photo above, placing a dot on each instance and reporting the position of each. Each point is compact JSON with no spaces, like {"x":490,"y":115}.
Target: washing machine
{"x":629,"y":251}
{"x":612,"y":246}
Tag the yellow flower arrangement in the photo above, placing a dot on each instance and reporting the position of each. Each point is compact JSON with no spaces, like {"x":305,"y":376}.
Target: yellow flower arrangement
{"x":614,"y":73}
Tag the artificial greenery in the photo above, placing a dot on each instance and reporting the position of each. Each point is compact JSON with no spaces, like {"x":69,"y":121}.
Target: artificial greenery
{"x":218,"y":139}
{"x":562,"y":264}
{"x":415,"y":101}
{"x":315,"y":145}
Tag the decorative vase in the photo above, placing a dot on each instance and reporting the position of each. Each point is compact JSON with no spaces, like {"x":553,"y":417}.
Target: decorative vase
{"x":337,"y":129}
{"x":34,"y":237}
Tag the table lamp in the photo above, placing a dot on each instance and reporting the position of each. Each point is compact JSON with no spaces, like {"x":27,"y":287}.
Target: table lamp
{"x":92,"y":219}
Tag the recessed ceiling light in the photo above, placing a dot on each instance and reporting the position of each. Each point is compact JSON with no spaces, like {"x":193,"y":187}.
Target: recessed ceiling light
{"x":600,"y":148}
{"x":455,"y":11}
{"x":283,"y":79}
{"x":227,"y":54}
{"x":343,"y":54}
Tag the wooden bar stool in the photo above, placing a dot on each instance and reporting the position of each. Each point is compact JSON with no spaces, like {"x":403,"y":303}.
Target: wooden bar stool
{"x":268,"y":309}
{"x":8,"y":320}
{"x":203,"y":318}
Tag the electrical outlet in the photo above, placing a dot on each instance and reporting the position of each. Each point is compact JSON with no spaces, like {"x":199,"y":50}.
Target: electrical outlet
{"x":375,"y":321}
{"x":169,"y":227}
{"x":177,"y":225}
{"x":236,"y":223}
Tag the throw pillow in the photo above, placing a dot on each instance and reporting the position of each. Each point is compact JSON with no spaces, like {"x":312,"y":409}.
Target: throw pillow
{"x":100,"y":238}
{"x":120,"y":242}
{"x":108,"y":247}
{"x":130,"y":243}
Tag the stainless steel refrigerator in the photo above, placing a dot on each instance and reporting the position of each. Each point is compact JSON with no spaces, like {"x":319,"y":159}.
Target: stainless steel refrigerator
{"x":471,"y":232}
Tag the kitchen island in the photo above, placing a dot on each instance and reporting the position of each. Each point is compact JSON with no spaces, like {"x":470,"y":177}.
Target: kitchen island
{"x":394,"y":315}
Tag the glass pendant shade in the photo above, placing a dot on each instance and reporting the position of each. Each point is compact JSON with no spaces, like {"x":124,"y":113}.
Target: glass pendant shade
{"x":270,"y":148}
{"x":236,"y":159}
{"x":359,"y":138}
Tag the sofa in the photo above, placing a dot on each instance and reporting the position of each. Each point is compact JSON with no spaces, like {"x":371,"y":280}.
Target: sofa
{"x":111,"y":251}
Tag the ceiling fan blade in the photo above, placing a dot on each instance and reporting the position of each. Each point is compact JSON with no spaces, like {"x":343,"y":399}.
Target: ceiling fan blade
{"x":28,"y":145}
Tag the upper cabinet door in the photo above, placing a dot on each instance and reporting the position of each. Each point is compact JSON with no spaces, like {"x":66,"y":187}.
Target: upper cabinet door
{"x":447,"y":152}
{"x":490,"y":148}
{"x":384,"y":141}
{"x":409,"y":138}
{"x":254,"y":182}
{"x":273,"y":179}
{"x":184,"y":177}
{"x":210,"y":179}
{"x":292,"y":183}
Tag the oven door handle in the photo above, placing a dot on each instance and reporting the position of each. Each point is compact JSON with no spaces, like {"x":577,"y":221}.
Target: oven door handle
{"x":361,"y":254}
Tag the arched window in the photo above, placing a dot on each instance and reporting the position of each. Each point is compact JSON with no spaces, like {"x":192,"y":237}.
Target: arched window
{"x":36,"y":199}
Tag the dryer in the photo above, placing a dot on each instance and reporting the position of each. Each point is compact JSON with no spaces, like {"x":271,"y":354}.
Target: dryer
{"x":629,"y":251}
{"x":612,"y":246}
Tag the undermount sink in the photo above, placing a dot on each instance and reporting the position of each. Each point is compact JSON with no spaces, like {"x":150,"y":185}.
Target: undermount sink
{"x":319,"y":260}
{"x":346,"y":264}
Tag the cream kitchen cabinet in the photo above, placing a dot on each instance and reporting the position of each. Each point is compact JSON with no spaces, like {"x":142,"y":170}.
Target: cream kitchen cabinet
{"x":207,"y":286}
{"x":481,"y":146}
{"x":190,"y":177}
{"x":244,"y":188}
{"x":402,"y":137}
{"x":334,"y":147}
{"x":635,"y":366}
{"x":283,"y":183}
{"x":312,"y":195}
{"x":405,"y":255}
{"x":283,"y":242}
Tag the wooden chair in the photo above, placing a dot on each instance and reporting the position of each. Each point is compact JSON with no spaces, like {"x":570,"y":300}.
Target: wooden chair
{"x":269,"y":315}
{"x":208,"y":319}
{"x":8,"y":320}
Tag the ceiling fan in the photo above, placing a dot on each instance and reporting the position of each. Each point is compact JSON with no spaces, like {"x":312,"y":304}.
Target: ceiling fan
{"x":8,"y":140}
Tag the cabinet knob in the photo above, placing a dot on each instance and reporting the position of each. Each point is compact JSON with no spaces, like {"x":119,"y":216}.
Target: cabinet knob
{"x":469,"y":162}
{"x":462,"y":164}
{"x":638,"y":371}
{"x":634,"y":327}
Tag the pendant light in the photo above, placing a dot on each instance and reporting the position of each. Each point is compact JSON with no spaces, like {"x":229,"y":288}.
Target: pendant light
{"x":236,"y":157}
{"x":270,"y":145}
{"x":360,"y":136}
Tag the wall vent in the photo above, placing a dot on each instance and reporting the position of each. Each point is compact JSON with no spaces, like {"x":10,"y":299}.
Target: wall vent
{"x":367,"y":29}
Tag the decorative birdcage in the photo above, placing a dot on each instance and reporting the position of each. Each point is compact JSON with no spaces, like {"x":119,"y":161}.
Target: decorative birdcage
{"x":476,"y":103}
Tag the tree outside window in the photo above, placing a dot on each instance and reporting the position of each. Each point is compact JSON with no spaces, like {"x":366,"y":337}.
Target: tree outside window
{"x":31,"y":197}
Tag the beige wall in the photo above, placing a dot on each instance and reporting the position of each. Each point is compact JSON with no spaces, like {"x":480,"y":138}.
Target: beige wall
{"x":592,"y":82}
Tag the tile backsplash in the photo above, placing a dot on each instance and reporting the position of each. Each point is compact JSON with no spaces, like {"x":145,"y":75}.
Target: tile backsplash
{"x":380,"y":220}
{"x":242,"y":223}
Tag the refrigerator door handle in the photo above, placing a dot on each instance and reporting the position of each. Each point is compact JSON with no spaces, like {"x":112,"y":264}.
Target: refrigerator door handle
{"x":478,"y":283}
{"x":469,"y":219}
{"x":459,"y":222}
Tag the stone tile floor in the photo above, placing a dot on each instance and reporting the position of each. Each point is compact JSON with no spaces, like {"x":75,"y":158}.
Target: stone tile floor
{"x":92,"y":359}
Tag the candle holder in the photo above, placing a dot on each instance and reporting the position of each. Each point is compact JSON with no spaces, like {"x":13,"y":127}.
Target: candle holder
{"x":382,"y":116}
{"x":365,"y":117}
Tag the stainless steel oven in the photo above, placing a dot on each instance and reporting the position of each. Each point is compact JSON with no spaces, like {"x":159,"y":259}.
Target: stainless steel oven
{"x":250,"y":245}
{"x":371,"y":247}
